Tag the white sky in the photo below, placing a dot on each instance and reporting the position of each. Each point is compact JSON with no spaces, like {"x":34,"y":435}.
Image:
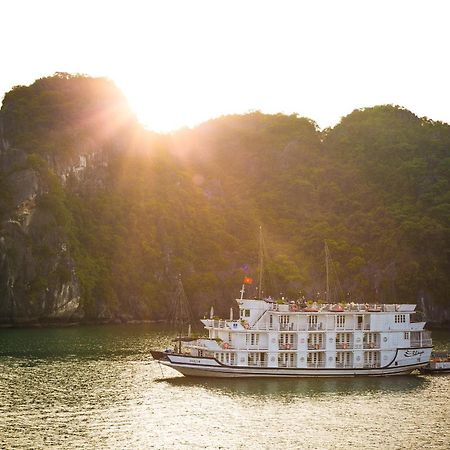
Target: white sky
{"x":183,"y":62}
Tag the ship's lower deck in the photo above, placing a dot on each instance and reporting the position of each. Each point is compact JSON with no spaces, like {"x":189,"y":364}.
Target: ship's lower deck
{"x":211,"y":367}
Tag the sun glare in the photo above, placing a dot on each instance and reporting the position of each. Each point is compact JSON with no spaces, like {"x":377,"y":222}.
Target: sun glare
{"x":157,"y":113}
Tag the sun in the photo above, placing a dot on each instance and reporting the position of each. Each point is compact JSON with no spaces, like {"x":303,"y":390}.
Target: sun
{"x":164,"y":107}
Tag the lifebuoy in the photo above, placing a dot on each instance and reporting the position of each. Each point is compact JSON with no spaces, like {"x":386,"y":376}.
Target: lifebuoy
{"x":246,"y":326}
{"x":226,"y":345}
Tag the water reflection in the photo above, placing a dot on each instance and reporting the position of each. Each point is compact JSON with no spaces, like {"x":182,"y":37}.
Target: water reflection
{"x":97,"y":387}
{"x":304,"y":387}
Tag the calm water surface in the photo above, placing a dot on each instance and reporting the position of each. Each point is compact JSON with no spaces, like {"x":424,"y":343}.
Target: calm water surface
{"x":97,"y":387}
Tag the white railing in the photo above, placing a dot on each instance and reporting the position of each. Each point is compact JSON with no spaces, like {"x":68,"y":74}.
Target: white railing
{"x":287,"y":346}
{"x":316,"y":347}
{"x":371,"y":345}
{"x":344,"y":366}
{"x":317,"y":365}
{"x":343,"y":345}
{"x":257,"y":364}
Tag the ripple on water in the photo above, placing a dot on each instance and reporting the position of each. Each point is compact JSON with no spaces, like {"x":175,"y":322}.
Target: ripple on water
{"x":117,"y":397}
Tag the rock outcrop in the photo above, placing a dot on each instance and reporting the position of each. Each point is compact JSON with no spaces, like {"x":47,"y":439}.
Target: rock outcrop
{"x":38,"y":279}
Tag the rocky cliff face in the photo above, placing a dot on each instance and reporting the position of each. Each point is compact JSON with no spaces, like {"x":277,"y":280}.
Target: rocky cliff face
{"x":37,"y":275}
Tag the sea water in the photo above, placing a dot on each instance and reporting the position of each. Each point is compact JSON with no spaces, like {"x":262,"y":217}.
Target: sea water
{"x":98,"y":387}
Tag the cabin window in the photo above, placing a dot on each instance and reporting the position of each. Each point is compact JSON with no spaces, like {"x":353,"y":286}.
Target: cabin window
{"x":315,"y":358}
{"x":343,"y":359}
{"x":312,"y":322}
{"x":371,"y":359}
{"x":284,"y":320}
{"x":286,"y":341}
{"x":407,"y":335}
{"x":245,"y":313}
{"x":254,"y":339}
{"x":286,"y":360}
{"x":370,"y":340}
{"x":255,"y":359}
{"x":343,"y":340}
{"x":400,"y":318}
{"x":315,"y":341}
{"x":340,"y":321}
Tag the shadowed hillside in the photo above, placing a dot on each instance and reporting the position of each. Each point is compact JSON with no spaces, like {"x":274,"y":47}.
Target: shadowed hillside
{"x":99,"y":216}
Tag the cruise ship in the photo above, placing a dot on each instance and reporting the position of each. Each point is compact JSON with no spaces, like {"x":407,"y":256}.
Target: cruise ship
{"x":292,"y":339}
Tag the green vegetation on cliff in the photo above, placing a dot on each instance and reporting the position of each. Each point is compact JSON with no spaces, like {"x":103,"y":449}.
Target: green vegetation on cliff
{"x":133,"y":209}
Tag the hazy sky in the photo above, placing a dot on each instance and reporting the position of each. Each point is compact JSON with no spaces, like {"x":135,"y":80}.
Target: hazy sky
{"x":182,"y":62}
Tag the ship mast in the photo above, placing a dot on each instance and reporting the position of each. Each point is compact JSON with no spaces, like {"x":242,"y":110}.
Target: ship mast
{"x":327,"y":266}
{"x":261,"y":262}
{"x":180,"y":314}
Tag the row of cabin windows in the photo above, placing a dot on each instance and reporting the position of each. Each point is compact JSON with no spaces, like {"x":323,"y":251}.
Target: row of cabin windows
{"x":289,"y":359}
{"x":315,"y":338}
{"x":245,"y":313}
{"x":400,"y":318}
{"x":313,"y":320}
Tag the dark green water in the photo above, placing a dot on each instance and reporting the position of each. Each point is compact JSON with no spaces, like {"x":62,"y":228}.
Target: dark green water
{"x":97,"y":387}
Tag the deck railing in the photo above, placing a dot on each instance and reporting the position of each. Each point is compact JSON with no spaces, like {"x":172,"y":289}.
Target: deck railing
{"x":371,"y":345}
{"x":287,"y":347}
{"x":343,"y":345}
{"x":371,"y":365}
{"x":424,"y":343}
{"x":317,"y":365}
{"x":257,"y":364}
{"x":316,"y":347}
{"x":344,"y":366}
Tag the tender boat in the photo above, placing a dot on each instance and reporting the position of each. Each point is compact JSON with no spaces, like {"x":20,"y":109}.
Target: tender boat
{"x":439,"y":363}
{"x":289,"y":339}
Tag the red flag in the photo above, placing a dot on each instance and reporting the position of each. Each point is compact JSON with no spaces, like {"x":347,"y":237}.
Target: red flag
{"x":248,"y":280}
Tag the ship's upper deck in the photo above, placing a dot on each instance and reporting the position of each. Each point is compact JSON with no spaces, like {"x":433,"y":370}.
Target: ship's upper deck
{"x":284,"y":306}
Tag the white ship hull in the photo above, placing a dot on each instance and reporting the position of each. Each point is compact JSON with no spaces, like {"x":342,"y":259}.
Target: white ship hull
{"x":211,"y":367}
